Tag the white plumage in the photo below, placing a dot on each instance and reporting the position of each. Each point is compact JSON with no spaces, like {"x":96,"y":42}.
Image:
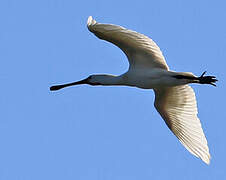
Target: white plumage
{"x":174,"y":99}
{"x":177,"y":106}
{"x":133,"y":44}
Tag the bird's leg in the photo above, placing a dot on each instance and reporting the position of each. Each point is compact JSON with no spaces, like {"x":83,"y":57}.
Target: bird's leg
{"x":207,"y":79}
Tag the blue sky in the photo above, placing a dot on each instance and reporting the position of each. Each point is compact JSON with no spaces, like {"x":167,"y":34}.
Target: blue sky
{"x":104,"y":133}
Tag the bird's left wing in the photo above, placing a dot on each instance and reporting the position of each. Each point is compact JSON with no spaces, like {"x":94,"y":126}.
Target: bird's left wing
{"x":177,"y":106}
{"x":140,"y":50}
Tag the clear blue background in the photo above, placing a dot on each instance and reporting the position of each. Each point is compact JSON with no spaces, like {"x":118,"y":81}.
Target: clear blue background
{"x":104,"y":133}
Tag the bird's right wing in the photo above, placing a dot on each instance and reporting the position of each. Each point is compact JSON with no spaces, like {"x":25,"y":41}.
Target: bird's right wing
{"x":140,"y":50}
{"x":177,"y":106}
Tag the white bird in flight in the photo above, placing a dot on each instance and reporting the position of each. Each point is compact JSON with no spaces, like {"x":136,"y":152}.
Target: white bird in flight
{"x":174,"y":98}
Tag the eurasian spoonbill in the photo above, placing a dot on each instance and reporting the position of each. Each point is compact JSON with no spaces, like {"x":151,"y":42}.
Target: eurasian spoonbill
{"x":174,"y":98}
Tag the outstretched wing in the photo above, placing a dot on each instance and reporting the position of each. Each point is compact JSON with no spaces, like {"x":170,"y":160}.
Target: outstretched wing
{"x":140,"y":50}
{"x":177,"y":106}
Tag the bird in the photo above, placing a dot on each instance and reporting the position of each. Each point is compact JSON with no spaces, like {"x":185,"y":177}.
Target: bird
{"x":175,"y":99}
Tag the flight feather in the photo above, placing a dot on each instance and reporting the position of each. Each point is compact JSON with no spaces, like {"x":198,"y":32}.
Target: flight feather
{"x":177,"y":106}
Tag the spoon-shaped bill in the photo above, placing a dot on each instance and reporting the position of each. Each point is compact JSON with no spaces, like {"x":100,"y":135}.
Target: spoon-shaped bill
{"x":58,"y":87}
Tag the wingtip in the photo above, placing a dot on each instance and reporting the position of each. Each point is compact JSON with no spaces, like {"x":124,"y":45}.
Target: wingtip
{"x":90,"y":22}
{"x":207,"y":160}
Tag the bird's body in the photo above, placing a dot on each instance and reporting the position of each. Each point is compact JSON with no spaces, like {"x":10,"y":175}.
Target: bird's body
{"x":174,"y":99}
{"x":156,"y":78}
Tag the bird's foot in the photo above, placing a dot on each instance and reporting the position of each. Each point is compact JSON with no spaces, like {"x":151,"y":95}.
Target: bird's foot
{"x":207,"y":79}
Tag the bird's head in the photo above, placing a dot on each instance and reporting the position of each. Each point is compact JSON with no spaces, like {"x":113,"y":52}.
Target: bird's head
{"x":102,"y":79}
{"x":95,"y":79}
